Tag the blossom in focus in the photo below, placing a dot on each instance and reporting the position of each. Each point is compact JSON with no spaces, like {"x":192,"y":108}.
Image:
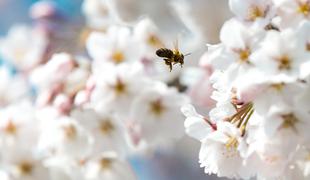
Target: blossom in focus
{"x":258,"y":127}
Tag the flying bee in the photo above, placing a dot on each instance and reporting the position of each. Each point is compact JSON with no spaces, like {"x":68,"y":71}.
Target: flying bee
{"x":171,"y":57}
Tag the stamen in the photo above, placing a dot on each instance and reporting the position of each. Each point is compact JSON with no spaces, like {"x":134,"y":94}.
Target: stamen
{"x":154,"y":41}
{"x":278,"y":86}
{"x":106,"y":127}
{"x":232,"y":143}
{"x":255,"y":12}
{"x":157,"y":107}
{"x":119,"y":87}
{"x":304,"y":8}
{"x":118,"y":56}
{"x":243,"y":54}
{"x":240,"y":112}
{"x":10,"y":128}
{"x":289,"y":121}
{"x":243,"y":127}
{"x":70,"y":131}
{"x":242,"y":117}
{"x":308,"y":46}
{"x":284,"y":62}
{"x":105,"y":163}
{"x":25,"y":168}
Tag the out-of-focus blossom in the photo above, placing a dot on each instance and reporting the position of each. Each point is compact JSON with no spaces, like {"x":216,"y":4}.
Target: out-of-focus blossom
{"x":156,"y":110}
{"x":61,"y":75}
{"x":117,"y":86}
{"x":100,"y":14}
{"x":108,"y":166}
{"x":117,"y":45}
{"x":66,"y":137}
{"x":107,"y":130}
{"x":12,"y":87}
{"x":23,"y":47}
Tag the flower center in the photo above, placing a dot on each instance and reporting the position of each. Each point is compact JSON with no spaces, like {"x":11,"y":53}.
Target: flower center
{"x":278,"y":86}
{"x":230,"y":148}
{"x":25,"y":168}
{"x":284,"y":63}
{"x":308,"y":156}
{"x":255,"y":12}
{"x":153,"y":40}
{"x":119,"y":87}
{"x":103,"y":10}
{"x":105,"y":163}
{"x":70,"y":131}
{"x":10,"y":128}
{"x":106,"y":127}
{"x":308,"y":46}
{"x":243,"y":54}
{"x":157,"y":107}
{"x":304,"y":8}
{"x":232,"y":143}
{"x":289,"y":121}
{"x":118,"y":56}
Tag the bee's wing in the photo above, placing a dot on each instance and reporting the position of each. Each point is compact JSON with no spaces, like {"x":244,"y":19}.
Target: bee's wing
{"x":176,"y":44}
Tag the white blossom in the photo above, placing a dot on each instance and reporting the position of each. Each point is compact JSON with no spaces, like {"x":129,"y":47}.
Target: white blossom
{"x":117,"y":86}
{"x":12,"y":87}
{"x":108,"y":166}
{"x":157,"y":110}
{"x":17,"y":49}
{"x":117,"y":45}
{"x":100,"y":13}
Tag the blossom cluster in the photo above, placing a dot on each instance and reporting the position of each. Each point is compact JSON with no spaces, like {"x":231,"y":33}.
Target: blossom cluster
{"x":73,"y":114}
{"x":258,"y":78}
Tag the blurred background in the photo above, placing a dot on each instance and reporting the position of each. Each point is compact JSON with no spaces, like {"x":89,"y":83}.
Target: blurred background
{"x":17,"y":11}
{"x":181,"y":161}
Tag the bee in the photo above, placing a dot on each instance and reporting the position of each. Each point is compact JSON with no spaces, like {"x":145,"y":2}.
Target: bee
{"x":171,"y":57}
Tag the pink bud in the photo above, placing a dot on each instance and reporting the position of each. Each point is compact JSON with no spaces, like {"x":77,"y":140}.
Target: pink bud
{"x":63,"y":103}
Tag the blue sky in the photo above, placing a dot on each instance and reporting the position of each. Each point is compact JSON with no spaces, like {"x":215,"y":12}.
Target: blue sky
{"x":16,"y":11}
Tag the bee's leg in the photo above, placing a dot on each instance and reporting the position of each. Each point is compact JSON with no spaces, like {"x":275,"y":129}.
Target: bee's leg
{"x":170,"y":67}
{"x":168,"y":62}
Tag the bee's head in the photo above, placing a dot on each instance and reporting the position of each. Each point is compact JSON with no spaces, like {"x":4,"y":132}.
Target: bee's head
{"x":182,"y":59}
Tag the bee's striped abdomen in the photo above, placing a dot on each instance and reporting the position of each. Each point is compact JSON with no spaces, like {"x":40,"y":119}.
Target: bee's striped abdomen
{"x":164,"y":52}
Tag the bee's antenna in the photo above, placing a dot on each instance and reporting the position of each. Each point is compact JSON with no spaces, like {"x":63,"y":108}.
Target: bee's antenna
{"x":187,"y":54}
